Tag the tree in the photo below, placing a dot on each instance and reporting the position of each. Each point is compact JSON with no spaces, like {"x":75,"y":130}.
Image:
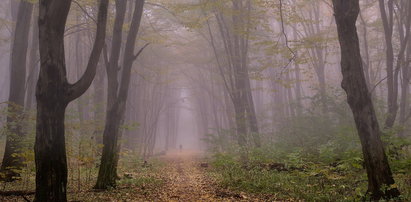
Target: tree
{"x":33,"y":64}
{"x":118,"y":92}
{"x":359,"y":98}
{"x":54,"y":93}
{"x":12,"y":161}
{"x":315,"y":37}
{"x":235,"y":32}
{"x":404,"y":24}
{"x":395,"y":65}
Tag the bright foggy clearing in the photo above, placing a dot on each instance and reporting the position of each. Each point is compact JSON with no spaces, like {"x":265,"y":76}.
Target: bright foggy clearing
{"x":205,"y":100}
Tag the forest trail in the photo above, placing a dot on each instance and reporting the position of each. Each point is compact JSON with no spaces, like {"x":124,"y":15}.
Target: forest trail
{"x":185,"y":178}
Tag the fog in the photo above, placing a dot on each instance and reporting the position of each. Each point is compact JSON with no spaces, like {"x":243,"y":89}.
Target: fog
{"x":250,"y":93}
{"x":188,"y":134}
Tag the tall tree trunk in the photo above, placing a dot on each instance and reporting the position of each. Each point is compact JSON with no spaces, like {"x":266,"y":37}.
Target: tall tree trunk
{"x":359,"y":98}
{"x":14,"y":9}
{"x":98,"y":102}
{"x":33,"y":66}
{"x":404,"y":30}
{"x":12,"y":160}
{"x":392,"y":85}
{"x":298,"y":88}
{"x":108,"y":167}
{"x":241,"y":124}
{"x":251,"y":114}
{"x":51,"y":162}
{"x":290,"y":97}
{"x":116,"y":107}
{"x":54,"y":93}
{"x":367,"y":61}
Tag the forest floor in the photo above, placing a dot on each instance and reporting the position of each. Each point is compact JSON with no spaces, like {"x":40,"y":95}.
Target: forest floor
{"x":183,"y":176}
{"x":187,"y":180}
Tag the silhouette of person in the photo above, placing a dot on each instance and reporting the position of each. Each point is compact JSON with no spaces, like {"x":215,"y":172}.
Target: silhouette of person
{"x":181,"y":147}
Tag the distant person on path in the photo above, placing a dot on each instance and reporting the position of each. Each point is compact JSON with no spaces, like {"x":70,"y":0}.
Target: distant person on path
{"x":181,"y":147}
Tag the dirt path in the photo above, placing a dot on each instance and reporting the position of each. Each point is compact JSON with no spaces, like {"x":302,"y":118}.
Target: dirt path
{"x":185,"y":178}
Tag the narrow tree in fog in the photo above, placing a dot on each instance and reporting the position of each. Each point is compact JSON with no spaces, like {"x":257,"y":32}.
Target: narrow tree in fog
{"x":395,"y":63}
{"x":404,"y":58}
{"x":118,"y":91}
{"x":33,"y":63}
{"x":234,"y":30}
{"x":359,"y":98}
{"x":12,"y":160}
{"x":317,"y":51}
{"x":54,"y":93}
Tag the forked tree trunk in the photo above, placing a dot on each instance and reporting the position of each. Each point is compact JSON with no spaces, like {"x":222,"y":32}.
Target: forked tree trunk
{"x":117,"y":99}
{"x":359,"y":98}
{"x":107,"y":175}
{"x":54,"y":93}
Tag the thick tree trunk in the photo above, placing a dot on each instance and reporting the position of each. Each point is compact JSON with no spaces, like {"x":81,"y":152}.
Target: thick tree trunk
{"x":54,"y":93}
{"x":49,"y":149}
{"x":12,"y":161}
{"x":50,"y":152}
{"x":359,"y":98}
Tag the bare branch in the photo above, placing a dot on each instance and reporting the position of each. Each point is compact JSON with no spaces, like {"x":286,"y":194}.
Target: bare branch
{"x":84,"y":11}
{"x":140,"y":51}
{"x":285,"y":35}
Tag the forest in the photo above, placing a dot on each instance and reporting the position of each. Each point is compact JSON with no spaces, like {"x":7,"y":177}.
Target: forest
{"x":205,"y":100}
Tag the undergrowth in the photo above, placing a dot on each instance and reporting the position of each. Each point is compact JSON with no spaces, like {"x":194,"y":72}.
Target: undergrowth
{"x":329,"y":174}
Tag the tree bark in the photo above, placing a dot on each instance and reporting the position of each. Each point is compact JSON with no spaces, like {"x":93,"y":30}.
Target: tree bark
{"x":359,"y":98}
{"x":54,"y":93}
